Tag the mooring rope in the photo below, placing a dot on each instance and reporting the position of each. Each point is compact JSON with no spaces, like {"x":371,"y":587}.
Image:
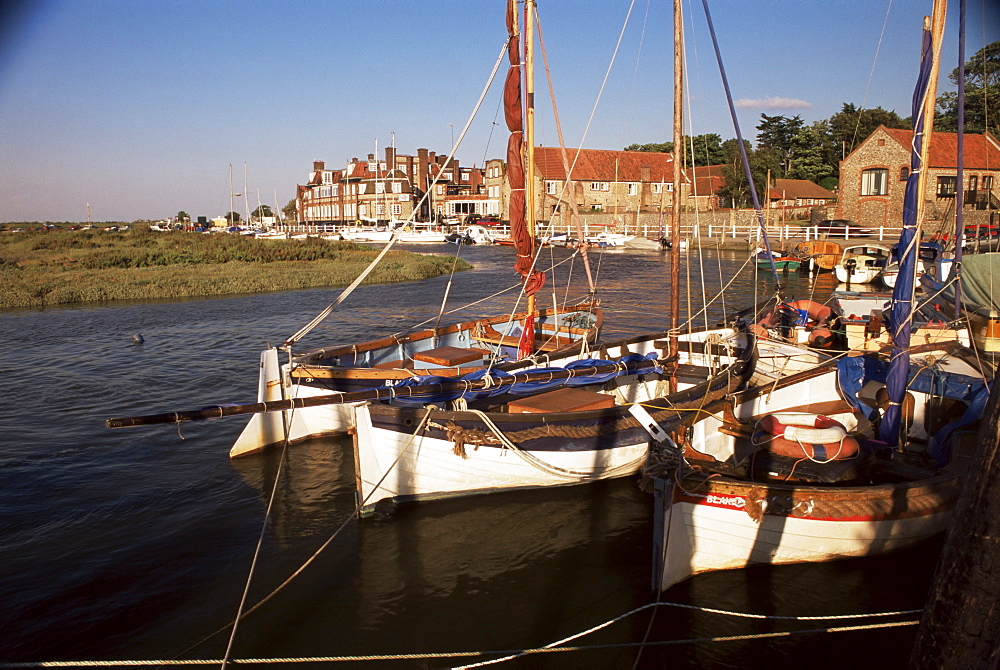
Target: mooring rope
{"x":509,"y":654}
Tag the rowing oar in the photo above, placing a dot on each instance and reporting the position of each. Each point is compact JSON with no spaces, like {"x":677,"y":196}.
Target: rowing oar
{"x":380,"y":393}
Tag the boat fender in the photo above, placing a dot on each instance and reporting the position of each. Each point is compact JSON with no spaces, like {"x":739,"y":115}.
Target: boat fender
{"x":809,"y":428}
{"x":821,"y":338}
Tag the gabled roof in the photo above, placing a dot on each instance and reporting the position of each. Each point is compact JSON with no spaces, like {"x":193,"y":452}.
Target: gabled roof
{"x":604,"y":165}
{"x":982,"y":152}
{"x":799,"y":188}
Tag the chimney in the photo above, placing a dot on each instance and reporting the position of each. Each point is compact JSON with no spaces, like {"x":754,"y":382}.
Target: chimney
{"x":644,"y":174}
{"x":390,"y":158}
{"x":319,"y":166}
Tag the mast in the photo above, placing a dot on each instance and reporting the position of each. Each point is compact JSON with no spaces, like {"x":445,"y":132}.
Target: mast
{"x":960,"y":195}
{"x":521,"y":204}
{"x":901,"y":310}
{"x":675,"y":200}
{"x":529,"y":130}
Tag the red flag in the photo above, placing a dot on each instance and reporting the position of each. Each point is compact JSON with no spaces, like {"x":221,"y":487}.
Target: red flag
{"x":526,"y":346}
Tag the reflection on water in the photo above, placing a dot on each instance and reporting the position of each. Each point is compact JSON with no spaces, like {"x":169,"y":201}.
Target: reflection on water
{"x":137,"y":543}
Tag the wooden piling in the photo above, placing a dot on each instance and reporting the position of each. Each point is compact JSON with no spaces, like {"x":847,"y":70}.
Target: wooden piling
{"x":960,"y":627}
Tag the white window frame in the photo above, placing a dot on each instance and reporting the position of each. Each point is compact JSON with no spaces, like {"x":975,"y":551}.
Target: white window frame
{"x":874,"y":181}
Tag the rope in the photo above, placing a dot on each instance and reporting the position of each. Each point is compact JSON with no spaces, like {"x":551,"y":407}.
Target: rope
{"x":539,"y":464}
{"x":350,"y":289}
{"x":509,"y":654}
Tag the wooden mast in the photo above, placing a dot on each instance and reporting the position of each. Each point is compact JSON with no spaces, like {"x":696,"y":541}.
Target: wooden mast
{"x":529,"y":128}
{"x":675,"y":201}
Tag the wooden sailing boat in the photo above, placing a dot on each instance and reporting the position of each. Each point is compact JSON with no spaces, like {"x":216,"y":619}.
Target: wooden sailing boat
{"x":854,"y":458}
{"x":501,"y":342}
{"x":595,"y":428}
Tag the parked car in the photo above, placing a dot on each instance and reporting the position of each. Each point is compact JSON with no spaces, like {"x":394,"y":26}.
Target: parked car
{"x":843,"y":228}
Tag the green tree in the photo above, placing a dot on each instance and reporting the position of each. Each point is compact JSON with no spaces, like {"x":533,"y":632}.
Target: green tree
{"x":815,"y":156}
{"x":182,"y":217}
{"x":982,"y":94}
{"x":233,"y":218}
{"x":261,"y":212}
{"x":736,"y":191}
{"x":777,"y":134}
{"x":290,"y":210}
{"x":851,"y":125}
{"x":661,"y":148}
{"x":707,"y":148}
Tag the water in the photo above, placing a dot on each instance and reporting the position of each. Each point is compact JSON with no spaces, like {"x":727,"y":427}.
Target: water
{"x":137,"y":543}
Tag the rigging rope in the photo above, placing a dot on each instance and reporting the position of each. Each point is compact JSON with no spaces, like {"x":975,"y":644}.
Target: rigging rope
{"x":350,"y":289}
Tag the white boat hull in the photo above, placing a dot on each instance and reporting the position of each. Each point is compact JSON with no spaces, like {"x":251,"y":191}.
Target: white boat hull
{"x":401,"y":467}
{"x":728,"y":528}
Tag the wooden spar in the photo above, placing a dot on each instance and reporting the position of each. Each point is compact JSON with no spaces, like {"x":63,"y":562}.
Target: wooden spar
{"x":675,"y":208}
{"x":381,"y":393}
{"x":529,"y":131}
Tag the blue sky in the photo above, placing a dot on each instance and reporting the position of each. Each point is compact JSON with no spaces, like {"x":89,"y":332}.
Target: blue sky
{"x":139,"y":107}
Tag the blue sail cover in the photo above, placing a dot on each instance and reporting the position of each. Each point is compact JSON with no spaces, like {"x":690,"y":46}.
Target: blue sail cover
{"x":450,"y":388}
{"x":853,"y":372}
{"x":900,"y":311}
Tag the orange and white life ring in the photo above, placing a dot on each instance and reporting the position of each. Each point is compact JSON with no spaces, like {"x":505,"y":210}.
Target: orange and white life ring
{"x":813,"y":436}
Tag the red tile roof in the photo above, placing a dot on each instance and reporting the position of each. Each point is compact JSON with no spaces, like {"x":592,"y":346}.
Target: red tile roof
{"x":604,"y":165}
{"x":799,"y":188}
{"x":982,"y":152}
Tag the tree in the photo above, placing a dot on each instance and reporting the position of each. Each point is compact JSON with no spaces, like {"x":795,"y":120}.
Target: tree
{"x":233,"y":218}
{"x":815,"y":155}
{"x":662,"y":147}
{"x":182,"y":217}
{"x":736,"y":190}
{"x":290,"y":210}
{"x":982,"y":94}
{"x":851,"y":125}
{"x":777,"y":134}
{"x":261,"y":212}
{"x":707,"y":148}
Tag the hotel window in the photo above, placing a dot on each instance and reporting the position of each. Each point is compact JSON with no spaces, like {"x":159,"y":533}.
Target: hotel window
{"x":446,"y":176}
{"x":440,"y":189}
{"x":874,"y":181}
{"x":397,"y":187}
{"x":973,"y":182}
{"x":379,"y":187}
{"x":599,"y":186}
{"x":335,"y":189}
{"x":465,"y":176}
{"x":397,"y":209}
{"x":335,"y":209}
{"x":946,"y":187}
{"x":327,"y":177}
{"x":552,"y":187}
{"x":904,"y":173}
{"x":633,"y":188}
{"x":670,"y":187}
{"x":987,"y":182}
{"x":380,"y":209}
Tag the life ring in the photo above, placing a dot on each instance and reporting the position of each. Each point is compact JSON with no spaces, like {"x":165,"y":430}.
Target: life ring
{"x":814,"y":436}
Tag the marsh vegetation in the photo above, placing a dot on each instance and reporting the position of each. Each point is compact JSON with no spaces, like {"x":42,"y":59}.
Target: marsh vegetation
{"x":62,"y":267}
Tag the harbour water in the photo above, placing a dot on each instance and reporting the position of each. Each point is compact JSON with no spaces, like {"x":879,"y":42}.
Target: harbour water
{"x":138,"y":543}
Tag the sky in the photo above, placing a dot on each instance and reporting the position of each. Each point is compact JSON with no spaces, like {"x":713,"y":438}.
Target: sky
{"x":140,"y":109}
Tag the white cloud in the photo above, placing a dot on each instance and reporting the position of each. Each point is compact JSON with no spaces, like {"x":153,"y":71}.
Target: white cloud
{"x":773,"y":103}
